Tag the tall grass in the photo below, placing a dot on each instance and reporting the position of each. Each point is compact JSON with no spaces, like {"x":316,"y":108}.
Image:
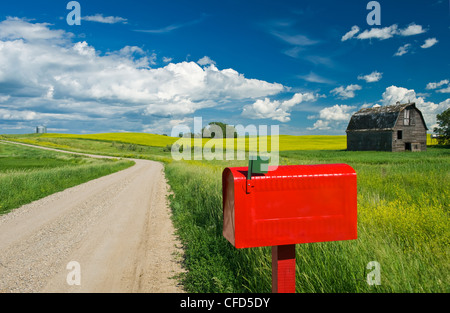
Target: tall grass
{"x":402,"y":224}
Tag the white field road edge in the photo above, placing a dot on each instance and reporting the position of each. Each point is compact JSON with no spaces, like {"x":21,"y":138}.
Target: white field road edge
{"x":111,"y":234}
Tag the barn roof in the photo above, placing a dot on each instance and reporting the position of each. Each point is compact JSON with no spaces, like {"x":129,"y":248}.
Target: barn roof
{"x":378,"y":118}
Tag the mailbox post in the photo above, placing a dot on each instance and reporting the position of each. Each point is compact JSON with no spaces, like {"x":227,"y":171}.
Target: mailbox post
{"x":288,"y":205}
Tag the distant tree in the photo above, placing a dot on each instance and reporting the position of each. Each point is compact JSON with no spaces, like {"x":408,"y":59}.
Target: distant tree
{"x":226,"y":130}
{"x":443,"y":130}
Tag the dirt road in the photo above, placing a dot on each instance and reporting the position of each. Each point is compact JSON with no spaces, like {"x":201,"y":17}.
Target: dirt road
{"x":112,"y":234}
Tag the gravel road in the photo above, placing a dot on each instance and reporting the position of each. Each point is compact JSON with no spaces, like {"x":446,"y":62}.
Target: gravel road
{"x":111,"y":234}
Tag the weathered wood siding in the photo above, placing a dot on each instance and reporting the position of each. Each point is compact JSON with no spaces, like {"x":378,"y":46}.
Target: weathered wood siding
{"x":369,"y":140}
{"x":414,"y":134}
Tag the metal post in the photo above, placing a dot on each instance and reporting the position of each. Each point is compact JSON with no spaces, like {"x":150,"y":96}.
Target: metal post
{"x":283,"y":269}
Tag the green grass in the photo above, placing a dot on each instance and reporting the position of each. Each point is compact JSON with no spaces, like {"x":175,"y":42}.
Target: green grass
{"x":100,"y":147}
{"x":402,"y":224}
{"x":28,"y":174}
{"x":127,"y":138}
{"x":403,"y":219}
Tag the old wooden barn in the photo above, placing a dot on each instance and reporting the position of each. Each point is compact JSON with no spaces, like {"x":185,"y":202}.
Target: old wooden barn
{"x":399,"y":127}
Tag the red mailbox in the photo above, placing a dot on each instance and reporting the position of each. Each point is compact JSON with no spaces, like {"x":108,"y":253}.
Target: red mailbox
{"x":289,"y":205}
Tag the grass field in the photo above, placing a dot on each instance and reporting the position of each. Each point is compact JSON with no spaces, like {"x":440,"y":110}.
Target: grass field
{"x":28,"y":174}
{"x":402,"y":224}
{"x":403,"y":218}
{"x":286,"y":142}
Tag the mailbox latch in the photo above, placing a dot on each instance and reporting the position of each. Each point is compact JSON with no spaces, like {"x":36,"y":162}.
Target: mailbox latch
{"x":256,"y":165}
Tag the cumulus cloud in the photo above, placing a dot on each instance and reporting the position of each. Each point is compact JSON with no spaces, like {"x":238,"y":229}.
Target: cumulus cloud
{"x":372,"y":77}
{"x":206,"y":61}
{"x":320,"y":125}
{"x":333,"y":117}
{"x":379,"y":33}
{"x":346,"y":92}
{"x":394,"y":94}
{"x":336,"y":113}
{"x":429,"y":43}
{"x":412,"y":30}
{"x":276,"y":110}
{"x":338,"y":116}
{"x":41,"y":66}
{"x":14,"y":28}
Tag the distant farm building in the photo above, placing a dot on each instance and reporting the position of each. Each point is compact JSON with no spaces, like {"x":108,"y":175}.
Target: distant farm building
{"x":41,"y":130}
{"x":399,"y":127}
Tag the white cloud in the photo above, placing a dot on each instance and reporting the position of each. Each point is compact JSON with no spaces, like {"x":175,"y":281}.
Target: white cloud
{"x":355,"y":29}
{"x":99,"y":18}
{"x":206,"y":61}
{"x":429,"y":43}
{"x":14,"y":28}
{"x":379,"y":33}
{"x":28,"y":115}
{"x":437,"y":85}
{"x":372,"y":77}
{"x":384,"y":33}
{"x":412,"y":30}
{"x":320,"y":125}
{"x":333,"y":117}
{"x":337,"y":116}
{"x":444,"y":90}
{"x":45,"y":67}
{"x":17,"y":115}
{"x":394,"y":94}
{"x":4,"y":98}
{"x":403,"y":50}
{"x":336,"y":113}
{"x":167,"y":59}
{"x":346,"y":92}
{"x":276,"y":110}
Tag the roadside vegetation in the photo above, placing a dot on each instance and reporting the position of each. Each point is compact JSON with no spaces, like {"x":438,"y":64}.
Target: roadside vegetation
{"x":403,"y":218}
{"x":28,"y":174}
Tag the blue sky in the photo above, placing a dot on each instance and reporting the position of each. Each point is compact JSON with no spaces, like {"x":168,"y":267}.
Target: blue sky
{"x":147,"y":66}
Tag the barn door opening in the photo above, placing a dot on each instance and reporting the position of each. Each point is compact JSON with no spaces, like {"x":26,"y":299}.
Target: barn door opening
{"x":408,"y":146}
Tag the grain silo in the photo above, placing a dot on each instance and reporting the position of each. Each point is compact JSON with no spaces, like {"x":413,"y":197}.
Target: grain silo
{"x":41,"y":129}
